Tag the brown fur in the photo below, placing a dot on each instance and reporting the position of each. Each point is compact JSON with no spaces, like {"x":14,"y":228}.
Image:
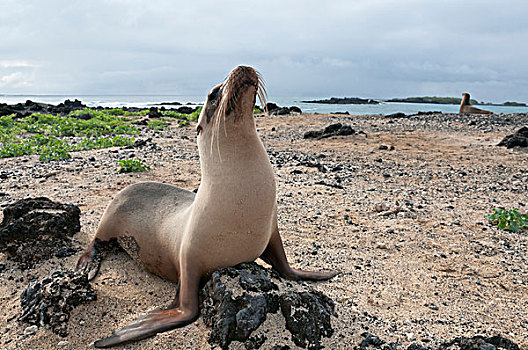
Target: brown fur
{"x":467,"y":108}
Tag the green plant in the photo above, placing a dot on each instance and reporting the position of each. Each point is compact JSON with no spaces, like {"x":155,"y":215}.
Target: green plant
{"x":132,"y":165}
{"x":174,"y":114}
{"x":15,"y":150}
{"x":157,"y":125}
{"x":509,"y":219}
{"x":194,"y":115}
{"x":7,"y":121}
{"x":99,"y":123}
{"x":54,"y":153}
{"x":120,"y":111}
{"x":257,"y":111}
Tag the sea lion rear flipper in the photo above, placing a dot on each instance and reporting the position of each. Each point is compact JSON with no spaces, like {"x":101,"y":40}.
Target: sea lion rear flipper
{"x":146,"y":326}
{"x":276,"y":257}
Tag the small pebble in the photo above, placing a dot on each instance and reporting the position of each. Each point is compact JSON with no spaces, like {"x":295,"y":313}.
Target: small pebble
{"x":30,"y":330}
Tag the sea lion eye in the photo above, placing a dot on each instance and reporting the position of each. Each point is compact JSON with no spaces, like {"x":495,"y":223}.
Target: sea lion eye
{"x":214,"y":94}
{"x":198,"y":130}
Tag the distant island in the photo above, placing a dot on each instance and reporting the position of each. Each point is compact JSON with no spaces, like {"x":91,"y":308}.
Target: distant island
{"x":451,"y":101}
{"x":345,"y":101}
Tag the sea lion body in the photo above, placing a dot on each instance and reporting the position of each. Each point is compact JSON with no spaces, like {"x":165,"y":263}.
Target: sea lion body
{"x":185,"y":237}
{"x":467,"y":108}
{"x":148,"y":219}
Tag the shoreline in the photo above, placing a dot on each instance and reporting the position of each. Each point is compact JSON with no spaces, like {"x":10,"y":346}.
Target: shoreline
{"x":146,"y":102}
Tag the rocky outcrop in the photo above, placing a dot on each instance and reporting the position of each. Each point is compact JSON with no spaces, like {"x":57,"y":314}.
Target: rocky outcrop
{"x":336,"y":129}
{"x":274,"y":109}
{"x":238,"y":300}
{"x":35,"y":229}
{"x":64,"y":108}
{"x":519,"y":139}
{"x":29,"y":107}
{"x":49,"y":302}
{"x":154,"y":113}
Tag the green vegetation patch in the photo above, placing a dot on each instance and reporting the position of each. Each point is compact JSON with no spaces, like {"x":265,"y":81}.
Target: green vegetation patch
{"x":132,"y":166}
{"x":120,"y":111}
{"x":53,"y":137}
{"x":509,"y":219}
{"x":194,"y":115}
{"x":158,"y":124}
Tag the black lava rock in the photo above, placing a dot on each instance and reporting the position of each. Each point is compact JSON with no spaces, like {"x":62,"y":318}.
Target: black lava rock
{"x":154,"y":113}
{"x":281,"y":111}
{"x":307,"y":317}
{"x":397,"y":115}
{"x":273,"y":109}
{"x":295,"y":109}
{"x":50,"y":301}
{"x":237,"y":300}
{"x":520,"y":139}
{"x":270,"y":106}
{"x":479,"y":342}
{"x":66,"y":107}
{"x":370,"y":341}
{"x":186,"y":110}
{"x":8,"y":110}
{"x":336,"y":129}
{"x":36,"y":229}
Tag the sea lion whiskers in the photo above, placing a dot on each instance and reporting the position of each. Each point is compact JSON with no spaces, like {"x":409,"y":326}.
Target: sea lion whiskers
{"x":261,"y":92}
{"x":230,"y":97}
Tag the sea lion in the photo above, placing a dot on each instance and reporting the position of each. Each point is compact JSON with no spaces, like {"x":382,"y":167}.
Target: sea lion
{"x":466,"y":107}
{"x":183,"y":236}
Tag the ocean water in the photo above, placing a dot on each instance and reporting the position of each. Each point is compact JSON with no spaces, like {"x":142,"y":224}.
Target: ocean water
{"x":146,"y":101}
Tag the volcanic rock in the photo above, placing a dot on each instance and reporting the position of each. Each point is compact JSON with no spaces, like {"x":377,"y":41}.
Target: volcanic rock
{"x":479,"y":342}
{"x":36,"y":229}
{"x":336,"y":129}
{"x":520,"y":139}
{"x":238,"y":300}
{"x":50,"y":301}
{"x":154,"y":113}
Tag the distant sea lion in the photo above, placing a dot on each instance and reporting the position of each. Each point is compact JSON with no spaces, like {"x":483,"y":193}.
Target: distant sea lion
{"x":183,"y":236}
{"x":466,"y":107}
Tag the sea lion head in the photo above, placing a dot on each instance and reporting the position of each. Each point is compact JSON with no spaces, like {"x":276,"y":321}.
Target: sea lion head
{"x":231,"y":101}
{"x":465,"y":98}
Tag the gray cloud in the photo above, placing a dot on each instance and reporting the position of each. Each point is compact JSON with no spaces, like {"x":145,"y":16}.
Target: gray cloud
{"x":311,"y":48}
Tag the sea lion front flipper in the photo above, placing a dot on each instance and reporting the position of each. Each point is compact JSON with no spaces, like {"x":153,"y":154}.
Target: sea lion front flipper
{"x":182,"y":311}
{"x":90,"y":260}
{"x":276,"y":257}
{"x":154,"y":322}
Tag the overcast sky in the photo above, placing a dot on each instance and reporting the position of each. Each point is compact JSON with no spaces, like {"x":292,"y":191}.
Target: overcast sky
{"x":365,"y":48}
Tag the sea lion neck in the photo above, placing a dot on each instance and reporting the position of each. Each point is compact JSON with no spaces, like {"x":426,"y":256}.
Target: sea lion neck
{"x":235,"y":146}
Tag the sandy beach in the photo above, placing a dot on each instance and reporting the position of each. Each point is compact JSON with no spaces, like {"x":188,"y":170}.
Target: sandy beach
{"x":434,"y":270}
